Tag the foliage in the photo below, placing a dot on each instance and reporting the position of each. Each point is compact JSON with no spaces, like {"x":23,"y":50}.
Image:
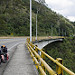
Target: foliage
{"x":14,"y":18}
{"x":64,"y":50}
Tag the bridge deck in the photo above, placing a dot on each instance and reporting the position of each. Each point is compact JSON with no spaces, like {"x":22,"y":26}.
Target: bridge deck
{"x":21,"y":63}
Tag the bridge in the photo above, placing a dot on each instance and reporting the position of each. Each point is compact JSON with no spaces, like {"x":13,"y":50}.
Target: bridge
{"x":28,"y":59}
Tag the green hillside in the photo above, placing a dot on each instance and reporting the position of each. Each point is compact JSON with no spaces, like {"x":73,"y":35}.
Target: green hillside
{"x":64,"y":50}
{"x":15,"y":18}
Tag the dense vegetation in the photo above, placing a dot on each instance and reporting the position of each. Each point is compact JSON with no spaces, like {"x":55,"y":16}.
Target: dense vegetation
{"x":15,"y":17}
{"x":64,"y":50}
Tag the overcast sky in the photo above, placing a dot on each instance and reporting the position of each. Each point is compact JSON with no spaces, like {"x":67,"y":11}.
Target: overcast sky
{"x":64,"y":7}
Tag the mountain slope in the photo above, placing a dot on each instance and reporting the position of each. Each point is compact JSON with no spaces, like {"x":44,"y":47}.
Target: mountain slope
{"x":15,"y":18}
{"x":64,"y":50}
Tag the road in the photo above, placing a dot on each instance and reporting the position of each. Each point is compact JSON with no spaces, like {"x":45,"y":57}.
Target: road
{"x":11,"y":45}
{"x":11,"y":42}
{"x":19,"y":55}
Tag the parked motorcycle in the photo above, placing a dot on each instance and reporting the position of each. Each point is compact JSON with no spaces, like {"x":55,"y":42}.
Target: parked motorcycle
{"x":4,"y":57}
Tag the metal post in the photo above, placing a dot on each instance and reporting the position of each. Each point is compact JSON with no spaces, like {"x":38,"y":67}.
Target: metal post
{"x":35,"y":55}
{"x":51,"y":31}
{"x":59,"y":31}
{"x":43,"y":57}
{"x":65,"y":33}
{"x":36,"y":26}
{"x":62,"y":32}
{"x":30,"y":20}
{"x":58,"y":68}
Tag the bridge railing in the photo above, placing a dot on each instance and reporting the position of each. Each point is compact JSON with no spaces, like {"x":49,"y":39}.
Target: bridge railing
{"x":38,"y":58}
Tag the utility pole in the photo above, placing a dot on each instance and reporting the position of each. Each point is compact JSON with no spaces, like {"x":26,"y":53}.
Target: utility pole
{"x":58,"y":23}
{"x":74,"y":30}
{"x":59,"y":31}
{"x":51,"y":31}
{"x":36,"y":23}
{"x":36,"y":26}
{"x":30,"y":20}
{"x":62,"y":32}
{"x":65,"y":32}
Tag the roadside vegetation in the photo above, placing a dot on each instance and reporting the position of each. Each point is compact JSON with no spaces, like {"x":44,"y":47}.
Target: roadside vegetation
{"x":64,"y":50}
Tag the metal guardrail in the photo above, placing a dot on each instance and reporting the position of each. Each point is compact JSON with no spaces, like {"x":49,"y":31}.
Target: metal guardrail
{"x":42,"y":65}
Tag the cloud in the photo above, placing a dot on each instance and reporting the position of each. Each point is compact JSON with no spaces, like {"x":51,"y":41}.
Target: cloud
{"x":64,"y":7}
{"x":62,"y":11}
{"x":71,"y":18}
{"x":59,"y":4}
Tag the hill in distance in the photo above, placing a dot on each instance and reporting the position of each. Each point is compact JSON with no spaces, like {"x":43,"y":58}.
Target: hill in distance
{"x":15,"y":18}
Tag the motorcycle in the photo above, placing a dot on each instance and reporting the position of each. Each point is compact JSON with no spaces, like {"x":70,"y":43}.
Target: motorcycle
{"x":0,"y":61}
{"x":4,"y":57}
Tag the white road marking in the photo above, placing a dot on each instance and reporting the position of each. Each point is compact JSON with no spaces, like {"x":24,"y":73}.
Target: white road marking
{"x":13,"y":46}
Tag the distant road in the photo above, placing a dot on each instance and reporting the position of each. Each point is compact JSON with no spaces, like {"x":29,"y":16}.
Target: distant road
{"x":11,"y":42}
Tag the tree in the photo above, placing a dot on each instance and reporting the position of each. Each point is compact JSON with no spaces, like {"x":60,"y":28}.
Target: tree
{"x":41,"y":1}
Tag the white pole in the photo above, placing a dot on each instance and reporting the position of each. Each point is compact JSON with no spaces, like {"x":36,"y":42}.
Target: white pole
{"x":36,"y":24}
{"x":30,"y":20}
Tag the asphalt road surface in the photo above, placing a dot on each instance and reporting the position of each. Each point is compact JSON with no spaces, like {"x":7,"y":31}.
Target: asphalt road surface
{"x":11,"y":45}
{"x":11,"y":42}
{"x":21,"y":62}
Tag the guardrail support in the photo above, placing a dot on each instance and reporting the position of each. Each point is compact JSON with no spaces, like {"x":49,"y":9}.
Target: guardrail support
{"x":43,"y":57}
{"x":35,"y":55}
{"x":59,"y":70}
